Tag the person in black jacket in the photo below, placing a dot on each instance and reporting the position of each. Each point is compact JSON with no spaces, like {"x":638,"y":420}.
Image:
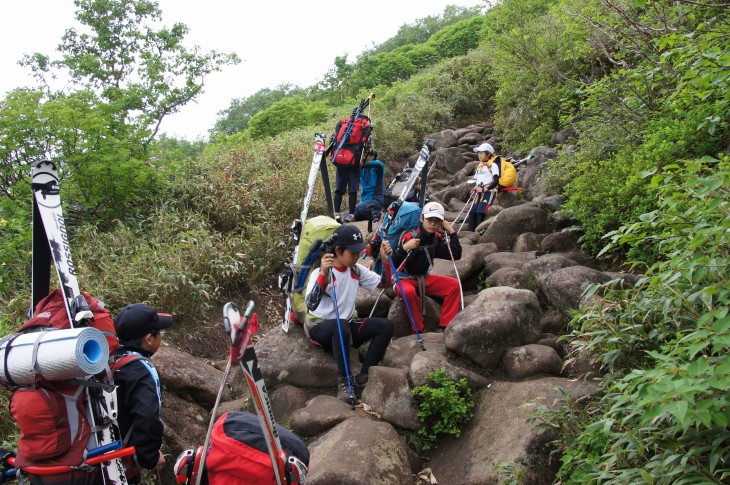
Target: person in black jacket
{"x":139,"y":394}
{"x":420,"y":247}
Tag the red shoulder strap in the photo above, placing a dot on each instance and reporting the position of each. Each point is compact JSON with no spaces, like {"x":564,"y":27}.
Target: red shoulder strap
{"x":126,"y":359}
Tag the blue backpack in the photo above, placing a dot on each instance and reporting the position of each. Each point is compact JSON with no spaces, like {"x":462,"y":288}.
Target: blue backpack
{"x":407,"y":218}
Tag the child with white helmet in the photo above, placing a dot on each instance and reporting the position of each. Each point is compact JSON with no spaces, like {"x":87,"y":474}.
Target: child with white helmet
{"x":434,"y":238}
{"x":487,"y":179}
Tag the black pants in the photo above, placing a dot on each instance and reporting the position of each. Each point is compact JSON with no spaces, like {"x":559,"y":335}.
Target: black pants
{"x":379,"y":330}
{"x":347,"y":179}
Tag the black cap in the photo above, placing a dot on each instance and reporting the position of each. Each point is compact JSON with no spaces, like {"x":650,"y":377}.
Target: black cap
{"x":374,"y":153}
{"x":137,"y":320}
{"x":350,"y":237}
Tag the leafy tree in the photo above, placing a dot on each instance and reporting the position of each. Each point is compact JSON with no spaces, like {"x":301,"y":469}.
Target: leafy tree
{"x":422,"y":29}
{"x":459,"y":38}
{"x":235,"y":118}
{"x":287,"y":114}
{"x":126,"y":74}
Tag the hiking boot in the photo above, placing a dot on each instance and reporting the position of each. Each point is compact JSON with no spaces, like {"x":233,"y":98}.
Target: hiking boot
{"x":359,"y":383}
{"x":347,"y":218}
{"x":343,"y":391}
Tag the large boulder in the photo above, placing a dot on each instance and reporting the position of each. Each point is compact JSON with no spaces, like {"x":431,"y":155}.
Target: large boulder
{"x":530,"y":360}
{"x":470,"y":264}
{"x":448,"y":160}
{"x":398,"y":314}
{"x":401,"y":351}
{"x":321,"y":414}
{"x":389,"y":394}
{"x":564,"y":287}
{"x":504,"y":259}
{"x":560,"y":242}
{"x":359,"y":451}
{"x":563,"y":136}
{"x":512,"y":277}
{"x":512,"y":222}
{"x":191,"y":378}
{"x":366,"y":299}
{"x":500,"y":432}
{"x":500,"y":318}
{"x":544,"y":265}
{"x":471,"y":138}
{"x":432,"y":360}
{"x":186,"y":423}
{"x":444,"y":139}
{"x":292,"y":359}
{"x":459,"y":192}
{"x":528,"y":241}
{"x":285,"y":400}
{"x":533,"y":173}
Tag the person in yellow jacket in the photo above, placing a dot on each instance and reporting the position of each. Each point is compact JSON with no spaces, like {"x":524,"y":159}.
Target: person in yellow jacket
{"x":489,"y":178}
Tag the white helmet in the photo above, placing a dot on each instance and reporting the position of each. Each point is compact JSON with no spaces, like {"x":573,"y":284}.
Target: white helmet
{"x":485,"y":147}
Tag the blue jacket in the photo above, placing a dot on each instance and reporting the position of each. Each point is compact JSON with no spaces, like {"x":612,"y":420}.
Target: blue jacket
{"x":371,"y":179}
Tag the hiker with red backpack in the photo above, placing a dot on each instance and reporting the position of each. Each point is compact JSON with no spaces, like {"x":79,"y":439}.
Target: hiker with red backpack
{"x":332,"y":321}
{"x":140,"y":330}
{"x":418,"y":248}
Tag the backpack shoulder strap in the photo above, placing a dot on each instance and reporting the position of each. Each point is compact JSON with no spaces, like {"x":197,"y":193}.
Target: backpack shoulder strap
{"x":413,"y":233}
{"x":126,"y":359}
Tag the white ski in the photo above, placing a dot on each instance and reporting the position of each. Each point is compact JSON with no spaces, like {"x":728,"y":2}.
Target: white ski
{"x":297,"y":226}
{"x":44,"y":182}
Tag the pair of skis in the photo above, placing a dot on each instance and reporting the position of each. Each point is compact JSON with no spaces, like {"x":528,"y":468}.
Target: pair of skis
{"x":51,"y":243}
{"x":240,"y":331}
{"x":288,"y":280}
{"x":421,"y":164}
{"x":351,"y":123}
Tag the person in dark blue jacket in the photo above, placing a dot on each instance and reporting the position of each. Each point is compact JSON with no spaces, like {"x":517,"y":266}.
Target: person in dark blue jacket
{"x":139,"y":394}
{"x":372,"y":175}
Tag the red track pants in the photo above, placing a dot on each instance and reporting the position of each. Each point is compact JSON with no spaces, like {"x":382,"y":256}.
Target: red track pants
{"x":444,"y":287}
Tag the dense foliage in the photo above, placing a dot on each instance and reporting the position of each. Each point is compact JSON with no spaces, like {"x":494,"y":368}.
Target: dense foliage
{"x":664,"y":413}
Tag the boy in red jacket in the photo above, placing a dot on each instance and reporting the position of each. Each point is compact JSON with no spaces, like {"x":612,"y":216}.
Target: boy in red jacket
{"x":421,"y":246}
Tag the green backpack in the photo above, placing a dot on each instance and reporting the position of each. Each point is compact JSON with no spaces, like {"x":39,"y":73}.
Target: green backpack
{"x":319,"y":227}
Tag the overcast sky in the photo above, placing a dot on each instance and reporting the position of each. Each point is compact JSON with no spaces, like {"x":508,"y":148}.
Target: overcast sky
{"x":279,"y":41}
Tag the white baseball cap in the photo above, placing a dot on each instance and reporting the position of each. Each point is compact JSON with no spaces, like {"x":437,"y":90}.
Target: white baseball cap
{"x":433,"y":209}
{"x":485,"y":147}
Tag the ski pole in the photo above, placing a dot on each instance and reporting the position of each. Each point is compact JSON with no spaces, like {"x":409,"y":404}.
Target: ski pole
{"x":230,"y":328}
{"x":467,"y":213}
{"x":519,"y":162}
{"x":342,"y":341}
{"x":402,"y":292}
{"x":471,"y":196}
{"x":458,"y":278}
{"x":402,"y":265}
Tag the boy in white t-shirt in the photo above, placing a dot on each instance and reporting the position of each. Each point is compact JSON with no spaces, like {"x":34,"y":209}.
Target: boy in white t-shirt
{"x":321,"y":321}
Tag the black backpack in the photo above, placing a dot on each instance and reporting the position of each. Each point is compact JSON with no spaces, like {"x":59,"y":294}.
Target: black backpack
{"x":396,"y":186}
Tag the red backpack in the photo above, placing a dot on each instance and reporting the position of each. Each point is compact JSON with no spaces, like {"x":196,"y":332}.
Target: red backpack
{"x":238,"y":455}
{"x":349,"y":153}
{"x":52,"y":416}
{"x":360,"y":130}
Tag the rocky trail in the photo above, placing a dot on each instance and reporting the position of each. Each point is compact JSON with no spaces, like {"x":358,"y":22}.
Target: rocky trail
{"x":522,"y":272}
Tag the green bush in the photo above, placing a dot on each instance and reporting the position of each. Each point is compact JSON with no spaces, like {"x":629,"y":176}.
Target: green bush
{"x":445,"y":406}
{"x":665,"y":411}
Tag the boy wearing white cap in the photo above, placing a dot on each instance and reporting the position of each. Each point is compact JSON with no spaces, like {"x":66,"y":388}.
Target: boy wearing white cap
{"x":487,"y":179}
{"x":421,"y":246}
